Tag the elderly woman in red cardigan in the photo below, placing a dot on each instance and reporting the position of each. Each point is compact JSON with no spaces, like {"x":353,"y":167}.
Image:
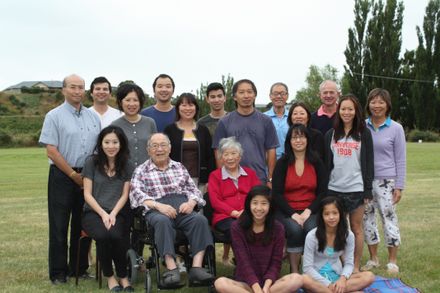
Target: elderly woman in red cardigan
{"x":228,"y":187}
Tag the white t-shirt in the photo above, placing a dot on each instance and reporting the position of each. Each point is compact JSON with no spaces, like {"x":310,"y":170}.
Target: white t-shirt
{"x":109,"y":116}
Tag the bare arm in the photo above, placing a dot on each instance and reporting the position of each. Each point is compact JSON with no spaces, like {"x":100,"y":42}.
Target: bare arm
{"x":218,"y":162}
{"x":271,"y":157}
{"x":61,"y":163}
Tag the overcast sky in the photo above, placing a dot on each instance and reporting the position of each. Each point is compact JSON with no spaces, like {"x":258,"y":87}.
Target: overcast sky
{"x":195,"y":41}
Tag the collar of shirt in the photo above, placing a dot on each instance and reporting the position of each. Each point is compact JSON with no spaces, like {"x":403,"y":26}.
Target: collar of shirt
{"x":151,"y":166}
{"x":226,"y":174}
{"x":321,"y":112}
{"x":72,"y":109}
{"x":387,"y":123}
{"x":272,"y":113}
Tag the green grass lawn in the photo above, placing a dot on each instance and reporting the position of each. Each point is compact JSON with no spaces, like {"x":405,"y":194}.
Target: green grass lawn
{"x":23,"y":224}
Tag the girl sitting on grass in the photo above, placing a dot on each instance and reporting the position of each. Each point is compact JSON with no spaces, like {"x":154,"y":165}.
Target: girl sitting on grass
{"x":323,"y":249}
{"x":258,"y":242}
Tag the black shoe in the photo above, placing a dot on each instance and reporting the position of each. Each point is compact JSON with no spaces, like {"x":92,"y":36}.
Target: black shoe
{"x":86,"y":276}
{"x":171,"y":277}
{"x":117,"y":288}
{"x":200,"y":275}
{"x":128,"y":289}
{"x":60,"y":279}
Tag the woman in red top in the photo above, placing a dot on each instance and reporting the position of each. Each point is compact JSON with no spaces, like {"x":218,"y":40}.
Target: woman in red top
{"x":228,"y":187}
{"x":299,"y":182}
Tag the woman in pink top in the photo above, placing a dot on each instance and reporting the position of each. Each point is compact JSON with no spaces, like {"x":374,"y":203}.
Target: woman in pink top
{"x":228,"y":187}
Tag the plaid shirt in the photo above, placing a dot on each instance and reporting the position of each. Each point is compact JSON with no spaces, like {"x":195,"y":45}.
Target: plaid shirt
{"x":150,"y":183}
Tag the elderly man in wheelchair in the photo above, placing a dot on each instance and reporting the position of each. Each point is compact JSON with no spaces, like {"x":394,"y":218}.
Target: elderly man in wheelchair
{"x":168,"y":194}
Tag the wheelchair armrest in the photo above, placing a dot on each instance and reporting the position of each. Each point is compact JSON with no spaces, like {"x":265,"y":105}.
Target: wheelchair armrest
{"x":139,"y":211}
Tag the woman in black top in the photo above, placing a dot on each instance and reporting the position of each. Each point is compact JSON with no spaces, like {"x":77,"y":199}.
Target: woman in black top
{"x":191,"y":143}
{"x":300,"y":114}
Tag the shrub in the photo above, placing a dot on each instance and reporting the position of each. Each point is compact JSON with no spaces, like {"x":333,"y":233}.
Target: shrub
{"x":5,"y":139}
{"x":424,"y":135}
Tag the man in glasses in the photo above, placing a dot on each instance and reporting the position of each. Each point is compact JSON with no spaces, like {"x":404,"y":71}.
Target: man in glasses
{"x":279,"y":93}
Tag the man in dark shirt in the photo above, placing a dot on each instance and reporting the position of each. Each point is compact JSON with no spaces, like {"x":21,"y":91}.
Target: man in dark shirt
{"x":322,"y":119}
{"x":216,"y":98}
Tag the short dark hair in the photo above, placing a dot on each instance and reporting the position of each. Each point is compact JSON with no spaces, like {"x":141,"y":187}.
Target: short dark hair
{"x":126,"y":88}
{"x":100,"y":79}
{"x":382,"y":93}
{"x":163,"y":75}
{"x":189,"y":98}
{"x":215,"y":86}
{"x":302,"y":105}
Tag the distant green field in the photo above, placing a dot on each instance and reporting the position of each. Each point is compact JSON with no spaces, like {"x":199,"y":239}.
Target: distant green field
{"x":24,"y":236}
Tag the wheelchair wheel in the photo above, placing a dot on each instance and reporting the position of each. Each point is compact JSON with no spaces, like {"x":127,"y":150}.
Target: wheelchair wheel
{"x":148,"y":284}
{"x":133,"y":265}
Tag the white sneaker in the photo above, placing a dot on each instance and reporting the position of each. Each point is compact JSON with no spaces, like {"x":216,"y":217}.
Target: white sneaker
{"x":181,"y":266}
{"x":392,"y":268}
{"x":371,"y":264}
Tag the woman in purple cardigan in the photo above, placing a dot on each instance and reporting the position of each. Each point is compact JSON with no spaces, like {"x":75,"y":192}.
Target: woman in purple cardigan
{"x":389,"y":178}
{"x":258,"y":242}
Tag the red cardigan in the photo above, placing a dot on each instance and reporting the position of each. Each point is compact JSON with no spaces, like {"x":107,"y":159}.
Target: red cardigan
{"x":225,"y":197}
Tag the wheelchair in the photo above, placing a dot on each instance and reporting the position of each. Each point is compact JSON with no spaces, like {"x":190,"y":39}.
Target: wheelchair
{"x":218,"y":236}
{"x":138,"y":265}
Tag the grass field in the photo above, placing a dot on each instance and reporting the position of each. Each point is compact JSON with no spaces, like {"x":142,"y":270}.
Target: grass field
{"x":23,"y":224}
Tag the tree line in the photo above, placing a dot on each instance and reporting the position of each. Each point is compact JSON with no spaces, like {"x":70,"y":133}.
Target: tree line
{"x":374,"y":58}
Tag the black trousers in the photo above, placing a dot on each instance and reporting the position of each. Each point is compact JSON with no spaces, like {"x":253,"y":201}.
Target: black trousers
{"x":112,"y":244}
{"x":224,"y":226}
{"x":65,"y":202}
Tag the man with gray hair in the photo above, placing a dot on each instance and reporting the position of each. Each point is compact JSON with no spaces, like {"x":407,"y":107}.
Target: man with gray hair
{"x":69,"y":134}
{"x":168,"y":194}
{"x":322,"y":119}
{"x":279,"y":93}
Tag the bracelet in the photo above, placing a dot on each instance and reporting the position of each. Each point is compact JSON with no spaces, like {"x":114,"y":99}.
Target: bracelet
{"x":73,"y":173}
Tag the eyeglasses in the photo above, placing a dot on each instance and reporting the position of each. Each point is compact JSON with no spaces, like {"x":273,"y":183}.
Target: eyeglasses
{"x":298,"y":137}
{"x":156,"y":146}
{"x":276,"y":94}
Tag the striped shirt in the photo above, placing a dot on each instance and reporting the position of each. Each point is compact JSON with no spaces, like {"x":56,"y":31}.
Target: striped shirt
{"x":150,"y":183}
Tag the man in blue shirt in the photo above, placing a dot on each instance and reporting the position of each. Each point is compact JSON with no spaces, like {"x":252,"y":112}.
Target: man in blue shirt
{"x":279,"y":93}
{"x":69,"y":134}
{"x":163,"y":113}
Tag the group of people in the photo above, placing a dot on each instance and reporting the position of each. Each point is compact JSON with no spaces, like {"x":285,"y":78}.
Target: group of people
{"x":283,"y":181}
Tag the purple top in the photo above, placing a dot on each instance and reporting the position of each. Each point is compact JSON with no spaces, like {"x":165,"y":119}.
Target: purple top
{"x":256,"y":262}
{"x":389,"y":152}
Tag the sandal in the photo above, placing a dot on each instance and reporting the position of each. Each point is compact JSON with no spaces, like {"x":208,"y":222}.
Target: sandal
{"x":392,"y":268}
{"x":371,"y":264}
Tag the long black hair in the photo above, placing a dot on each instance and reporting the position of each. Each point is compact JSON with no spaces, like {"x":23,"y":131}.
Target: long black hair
{"x":358,"y":121}
{"x":246,"y":219}
{"x":341,"y":229}
{"x":100,"y":158}
{"x":298,"y":129}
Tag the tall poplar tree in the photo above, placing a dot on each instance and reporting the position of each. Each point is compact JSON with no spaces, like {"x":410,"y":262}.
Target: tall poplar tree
{"x":425,"y":93}
{"x":373,"y":49}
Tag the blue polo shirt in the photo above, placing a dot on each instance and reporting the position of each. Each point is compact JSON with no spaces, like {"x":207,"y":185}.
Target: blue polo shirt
{"x":387,"y":123}
{"x":74,"y":132}
{"x":281,"y":128}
